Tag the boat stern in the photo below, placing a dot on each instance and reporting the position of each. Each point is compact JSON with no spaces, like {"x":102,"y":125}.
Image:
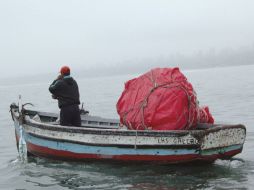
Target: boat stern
{"x":223,"y":142}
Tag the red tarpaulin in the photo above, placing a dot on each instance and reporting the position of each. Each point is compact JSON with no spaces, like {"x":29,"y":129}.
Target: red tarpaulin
{"x":161,"y":99}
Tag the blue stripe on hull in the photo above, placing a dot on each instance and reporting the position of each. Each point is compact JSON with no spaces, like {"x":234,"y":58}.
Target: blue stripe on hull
{"x":86,"y":149}
{"x":222,"y":150}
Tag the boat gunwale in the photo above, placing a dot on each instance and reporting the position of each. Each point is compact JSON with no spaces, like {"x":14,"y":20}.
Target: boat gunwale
{"x":166,"y":133}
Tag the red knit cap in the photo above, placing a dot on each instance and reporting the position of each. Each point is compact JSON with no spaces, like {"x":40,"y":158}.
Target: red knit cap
{"x":65,"y":70}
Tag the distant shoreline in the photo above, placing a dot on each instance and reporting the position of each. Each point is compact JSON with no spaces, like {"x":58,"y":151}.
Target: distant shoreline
{"x":48,"y":77}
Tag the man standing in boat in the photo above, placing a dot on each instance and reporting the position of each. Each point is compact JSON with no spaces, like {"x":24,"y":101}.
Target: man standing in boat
{"x":65,"y":90}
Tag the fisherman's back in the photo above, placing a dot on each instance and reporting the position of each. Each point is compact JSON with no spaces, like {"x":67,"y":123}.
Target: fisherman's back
{"x":65,"y":90}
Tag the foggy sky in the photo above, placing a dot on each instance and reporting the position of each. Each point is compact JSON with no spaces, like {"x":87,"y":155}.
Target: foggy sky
{"x":39,"y":36}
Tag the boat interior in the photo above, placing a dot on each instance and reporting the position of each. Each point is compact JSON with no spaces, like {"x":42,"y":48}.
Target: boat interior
{"x":88,"y":120}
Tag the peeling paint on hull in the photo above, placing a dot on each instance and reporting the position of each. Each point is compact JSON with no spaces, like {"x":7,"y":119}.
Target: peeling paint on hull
{"x":80,"y":144}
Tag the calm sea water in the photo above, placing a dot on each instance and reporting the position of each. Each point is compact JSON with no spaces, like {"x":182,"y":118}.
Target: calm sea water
{"x":229,"y":92}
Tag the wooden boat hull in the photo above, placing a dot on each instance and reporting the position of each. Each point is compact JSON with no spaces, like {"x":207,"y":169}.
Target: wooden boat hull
{"x":171,"y":157}
{"x":80,"y":144}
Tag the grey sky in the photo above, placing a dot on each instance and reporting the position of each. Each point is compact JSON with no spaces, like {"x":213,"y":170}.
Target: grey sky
{"x":38,"y":36}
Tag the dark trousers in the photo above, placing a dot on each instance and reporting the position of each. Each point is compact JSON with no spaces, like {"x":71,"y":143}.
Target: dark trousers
{"x":70,"y":116}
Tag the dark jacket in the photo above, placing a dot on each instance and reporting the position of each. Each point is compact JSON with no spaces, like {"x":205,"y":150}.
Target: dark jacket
{"x":66,"y":91}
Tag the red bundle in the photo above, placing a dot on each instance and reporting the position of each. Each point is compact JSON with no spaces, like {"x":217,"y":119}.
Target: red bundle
{"x":161,"y":99}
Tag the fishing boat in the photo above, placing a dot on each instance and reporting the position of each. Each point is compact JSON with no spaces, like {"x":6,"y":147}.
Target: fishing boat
{"x":105,"y":139}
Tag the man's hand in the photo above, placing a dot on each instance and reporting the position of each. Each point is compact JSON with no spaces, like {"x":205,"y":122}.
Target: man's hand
{"x":53,"y":96}
{"x":60,"y":77}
